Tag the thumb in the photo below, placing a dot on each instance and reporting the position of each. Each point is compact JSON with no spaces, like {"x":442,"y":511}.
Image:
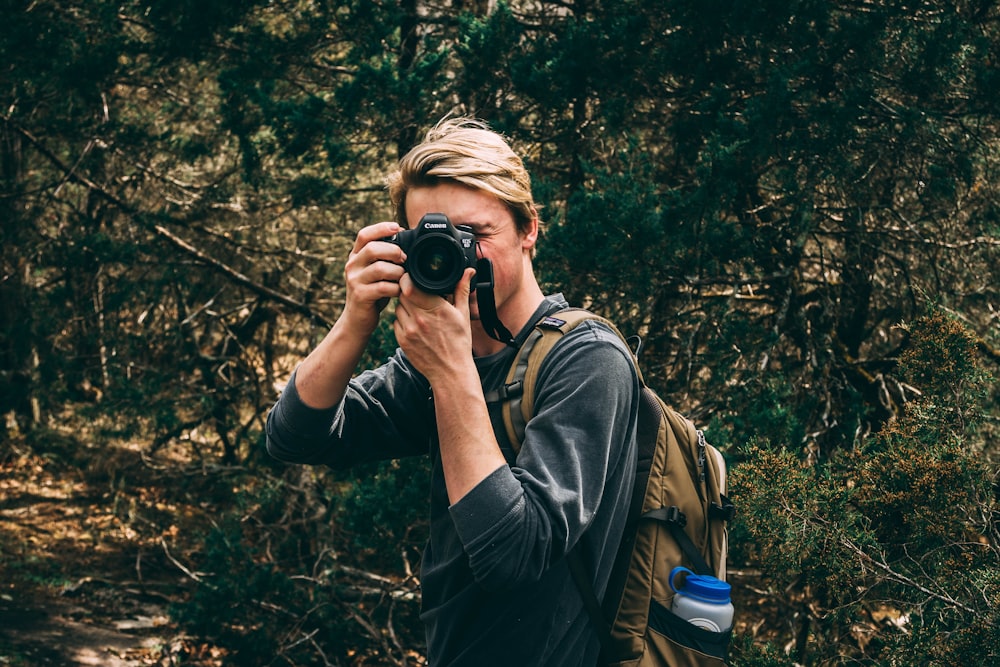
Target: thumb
{"x":463,"y":290}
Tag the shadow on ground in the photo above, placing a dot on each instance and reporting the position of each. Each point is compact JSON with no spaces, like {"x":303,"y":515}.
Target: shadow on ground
{"x":84,"y":576}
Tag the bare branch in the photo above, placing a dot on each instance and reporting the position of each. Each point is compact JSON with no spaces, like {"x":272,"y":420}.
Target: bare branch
{"x":70,"y":174}
{"x":240,"y":278}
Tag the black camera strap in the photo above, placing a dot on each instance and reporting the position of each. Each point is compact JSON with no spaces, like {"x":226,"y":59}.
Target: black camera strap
{"x":488,"y":305}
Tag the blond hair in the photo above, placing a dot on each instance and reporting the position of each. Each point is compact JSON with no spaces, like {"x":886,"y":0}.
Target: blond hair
{"x":465,"y":150}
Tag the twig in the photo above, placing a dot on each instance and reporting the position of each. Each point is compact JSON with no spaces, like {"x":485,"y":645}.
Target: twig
{"x":241,"y":279}
{"x":70,"y":174}
{"x":301,"y":640}
{"x":884,"y":567}
{"x":193,"y":575}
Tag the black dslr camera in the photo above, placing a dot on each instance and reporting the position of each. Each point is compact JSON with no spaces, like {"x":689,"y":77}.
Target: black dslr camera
{"x":437,"y":253}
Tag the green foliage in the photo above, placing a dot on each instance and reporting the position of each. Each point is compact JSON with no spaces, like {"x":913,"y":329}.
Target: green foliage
{"x":942,"y":362}
{"x":279,"y":580}
{"x":744,"y":652}
{"x":904,"y":522}
{"x":763,"y":191}
{"x":233,"y":605}
{"x":384,"y":511}
{"x":622,"y":209}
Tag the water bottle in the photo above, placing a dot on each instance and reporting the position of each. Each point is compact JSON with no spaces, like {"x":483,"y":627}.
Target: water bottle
{"x":702,"y":600}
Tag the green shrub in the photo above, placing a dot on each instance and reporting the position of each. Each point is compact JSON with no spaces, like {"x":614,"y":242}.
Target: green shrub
{"x":893,"y":544}
{"x":282,"y":579}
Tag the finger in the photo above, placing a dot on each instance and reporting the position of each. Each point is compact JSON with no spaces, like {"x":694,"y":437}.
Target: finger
{"x":401,"y":314}
{"x":377,"y":232}
{"x":463,"y":290}
{"x":418,"y":297}
{"x":371,"y":278}
{"x":381,"y":271}
{"x":406,"y":286}
{"x":377,"y":293}
{"x":415,"y":298}
{"x":372,"y":261}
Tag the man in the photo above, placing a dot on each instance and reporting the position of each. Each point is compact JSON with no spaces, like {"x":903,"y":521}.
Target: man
{"x":496,"y":589}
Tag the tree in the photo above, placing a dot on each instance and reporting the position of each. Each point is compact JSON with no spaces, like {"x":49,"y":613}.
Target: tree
{"x":766,"y":192}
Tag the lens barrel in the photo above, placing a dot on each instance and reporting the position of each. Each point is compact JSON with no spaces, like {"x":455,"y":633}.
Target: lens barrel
{"x":436,"y":263}
{"x":437,"y":253}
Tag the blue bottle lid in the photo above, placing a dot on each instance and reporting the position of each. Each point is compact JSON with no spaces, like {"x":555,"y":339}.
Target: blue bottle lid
{"x":701,"y":587}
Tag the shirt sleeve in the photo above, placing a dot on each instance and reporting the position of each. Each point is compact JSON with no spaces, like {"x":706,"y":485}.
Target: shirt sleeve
{"x":385,"y":413}
{"x":522,"y":518}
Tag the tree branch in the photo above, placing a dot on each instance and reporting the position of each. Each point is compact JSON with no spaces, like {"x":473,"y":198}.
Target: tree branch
{"x":241,"y":279}
{"x":70,"y":174}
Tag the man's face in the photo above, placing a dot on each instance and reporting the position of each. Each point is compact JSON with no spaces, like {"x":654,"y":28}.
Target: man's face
{"x":497,"y":237}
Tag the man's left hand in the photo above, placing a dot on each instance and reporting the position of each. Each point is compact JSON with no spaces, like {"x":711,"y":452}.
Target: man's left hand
{"x":435,"y":332}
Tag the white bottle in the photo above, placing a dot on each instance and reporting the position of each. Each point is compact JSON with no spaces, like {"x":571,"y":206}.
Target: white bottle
{"x":702,"y":600}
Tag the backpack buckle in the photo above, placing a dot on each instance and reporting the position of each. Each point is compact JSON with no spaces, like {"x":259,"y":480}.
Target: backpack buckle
{"x":506,"y":392}
{"x":726,"y":511}
{"x":671,"y":515}
{"x":676,"y":516}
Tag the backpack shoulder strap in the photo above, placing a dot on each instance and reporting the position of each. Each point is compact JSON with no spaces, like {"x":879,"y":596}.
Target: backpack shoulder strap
{"x":518,"y":392}
{"x":518,"y":395}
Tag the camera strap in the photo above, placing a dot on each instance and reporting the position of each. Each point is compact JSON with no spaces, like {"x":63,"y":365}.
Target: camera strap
{"x":488,"y":305}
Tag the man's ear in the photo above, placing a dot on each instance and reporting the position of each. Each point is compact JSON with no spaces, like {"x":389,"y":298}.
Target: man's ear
{"x":529,"y":237}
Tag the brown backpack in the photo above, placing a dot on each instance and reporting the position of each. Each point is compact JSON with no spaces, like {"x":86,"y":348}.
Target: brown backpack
{"x":677,"y":518}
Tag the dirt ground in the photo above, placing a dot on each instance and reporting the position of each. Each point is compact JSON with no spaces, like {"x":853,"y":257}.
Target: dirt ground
{"x":84,"y":579}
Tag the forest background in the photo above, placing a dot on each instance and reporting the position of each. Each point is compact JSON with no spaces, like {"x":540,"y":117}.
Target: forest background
{"x":794,"y":203}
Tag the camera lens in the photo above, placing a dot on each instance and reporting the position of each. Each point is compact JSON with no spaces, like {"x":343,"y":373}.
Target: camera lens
{"x":436,"y":264}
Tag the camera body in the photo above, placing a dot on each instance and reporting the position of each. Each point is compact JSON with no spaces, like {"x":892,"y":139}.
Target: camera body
{"x":437,"y":253}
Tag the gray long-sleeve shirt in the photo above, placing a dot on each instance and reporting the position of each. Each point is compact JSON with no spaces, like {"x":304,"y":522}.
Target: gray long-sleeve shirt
{"x":495,"y":586}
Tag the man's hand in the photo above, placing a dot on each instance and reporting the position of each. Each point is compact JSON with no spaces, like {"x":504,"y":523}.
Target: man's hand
{"x":372,"y":275}
{"x":436,"y":335}
{"x":435,"y":332}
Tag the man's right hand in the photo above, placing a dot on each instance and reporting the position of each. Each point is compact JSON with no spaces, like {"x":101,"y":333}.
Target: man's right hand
{"x":372,"y":275}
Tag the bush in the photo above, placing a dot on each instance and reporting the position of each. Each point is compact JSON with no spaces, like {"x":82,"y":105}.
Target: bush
{"x":894,"y":543}
{"x":285,"y":579}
